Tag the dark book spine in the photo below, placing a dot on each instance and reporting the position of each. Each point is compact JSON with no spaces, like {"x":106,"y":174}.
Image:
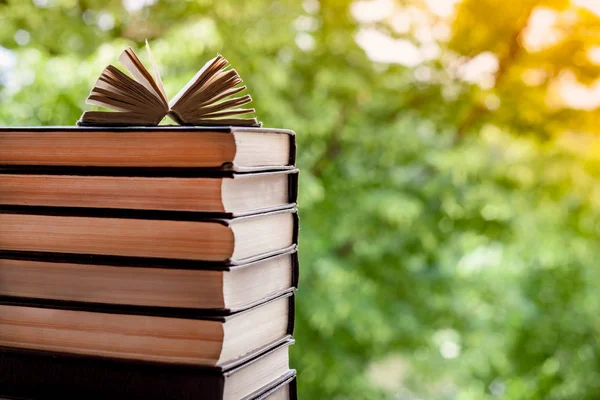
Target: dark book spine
{"x":175,"y":117}
{"x":293,"y":389}
{"x":293,"y":187}
{"x":30,"y":375}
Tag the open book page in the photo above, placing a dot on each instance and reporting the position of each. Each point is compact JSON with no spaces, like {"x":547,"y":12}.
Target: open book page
{"x":134,"y":66}
{"x":193,"y":83}
{"x":157,"y":77}
{"x":116,"y":91}
{"x":206,"y":98}
{"x":134,"y":103}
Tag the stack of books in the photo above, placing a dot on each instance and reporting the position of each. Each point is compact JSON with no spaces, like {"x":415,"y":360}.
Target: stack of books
{"x":154,"y":263}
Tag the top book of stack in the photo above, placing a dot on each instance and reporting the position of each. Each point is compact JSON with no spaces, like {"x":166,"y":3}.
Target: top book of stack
{"x":162,"y":148}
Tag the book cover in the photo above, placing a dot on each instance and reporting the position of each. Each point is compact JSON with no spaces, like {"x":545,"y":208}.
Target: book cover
{"x":87,"y":285}
{"x":148,"y":189}
{"x":69,"y":225}
{"x":161,"y":148}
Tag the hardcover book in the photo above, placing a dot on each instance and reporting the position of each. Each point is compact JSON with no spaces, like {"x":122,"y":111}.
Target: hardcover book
{"x":166,"y":148}
{"x":40,"y":375}
{"x":225,"y":193}
{"x":216,"y":288}
{"x":169,"y":336}
{"x":146,"y":235}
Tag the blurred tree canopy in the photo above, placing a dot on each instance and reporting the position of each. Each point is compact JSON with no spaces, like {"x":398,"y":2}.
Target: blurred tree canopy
{"x":449,"y":192}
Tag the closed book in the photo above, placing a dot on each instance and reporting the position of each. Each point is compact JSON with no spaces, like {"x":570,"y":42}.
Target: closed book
{"x":181,"y":336}
{"x":40,"y":375}
{"x":149,"y":236}
{"x":166,"y":147}
{"x":222,"y":289}
{"x":223,"y":192}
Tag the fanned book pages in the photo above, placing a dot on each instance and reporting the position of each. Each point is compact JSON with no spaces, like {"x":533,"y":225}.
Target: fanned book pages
{"x":207,"y":99}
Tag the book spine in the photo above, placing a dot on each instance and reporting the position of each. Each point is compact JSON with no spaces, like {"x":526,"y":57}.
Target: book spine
{"x":32,"y":375}
{"x":293,"y":390}
{"x":292,"y":149}
{"x":295,"y":270}
{"x":291,"y":315}
{"x":175,"y":117}
{"x":293,"y":188}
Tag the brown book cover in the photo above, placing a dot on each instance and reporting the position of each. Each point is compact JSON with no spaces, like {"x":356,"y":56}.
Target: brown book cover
{"x":209,"y":192}
{"x":156,"y":327}
{"x":80,"y":294}
{"x":161,"y":148}
{"x":40,"y":375}
{"x":79,"y":222}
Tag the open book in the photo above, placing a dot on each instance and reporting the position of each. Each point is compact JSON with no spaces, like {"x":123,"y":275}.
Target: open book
{"x":207,"y":99}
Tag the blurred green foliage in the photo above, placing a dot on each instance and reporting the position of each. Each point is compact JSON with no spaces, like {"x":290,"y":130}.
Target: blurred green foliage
{"x":450,"y":227}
